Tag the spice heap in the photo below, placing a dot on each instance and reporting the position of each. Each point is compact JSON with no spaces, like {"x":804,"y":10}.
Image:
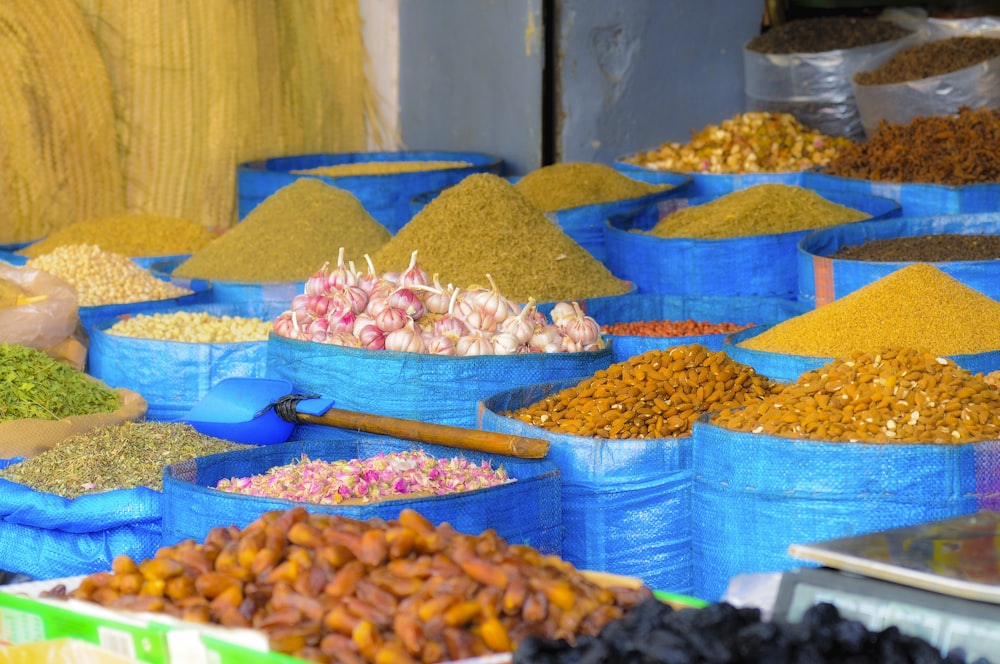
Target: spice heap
{"x":121,"y":456}
{"x":918,"y":306}
{"x":285,"y":237}
{"x":757,"y":210}
{"x":574,"y":184}
{"x":658,"y":394}
{"x":103,"y":277}
{"x":192,"y":327}
{"x":484,"y":225}
{"x":36,"y":386}
{"x":129,"y":235}
{"x":328,"y":588}
{"x":940,"y":149}
{"x":408,"y":311}
{"x":655,"y":633}
{"x":752,"y":142}
{"x":380,"y":167}
{"x":825,"y":33}
{"x":931,"y":59}
{"x":900,"y":395}
{"x":933,"y":248}
{"x":671,"y":328}
{"x":368,"y":480}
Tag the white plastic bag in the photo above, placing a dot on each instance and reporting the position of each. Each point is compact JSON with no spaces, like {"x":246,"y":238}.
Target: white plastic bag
{"x":48,"y":315}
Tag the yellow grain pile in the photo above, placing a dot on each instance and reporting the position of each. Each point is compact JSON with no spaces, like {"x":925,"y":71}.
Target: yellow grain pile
{"x":918,"y":306}
{"x":129,"y":235}
{"x":58,"y":155}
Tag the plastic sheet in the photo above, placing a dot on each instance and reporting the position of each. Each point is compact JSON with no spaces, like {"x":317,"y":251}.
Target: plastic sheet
{"x":822,"y":278}
{"x":527,"y":511}
{"x":625,"y":503}
{"x":386,"y":197}
{"x":916,"y":198}
{"x":276,"y":295}
{"x":754,"y":494}
{"x":708,"y":184}
{"x":173,"y":375}
{"x":756,"y":265}
{"x":45,"y":536}
{"x":415,"y":386}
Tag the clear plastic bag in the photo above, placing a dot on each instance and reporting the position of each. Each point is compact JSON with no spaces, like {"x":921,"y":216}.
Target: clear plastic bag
{"x":36,"y":309}
{"x":814,"y":87}
{"x":977,"y":86}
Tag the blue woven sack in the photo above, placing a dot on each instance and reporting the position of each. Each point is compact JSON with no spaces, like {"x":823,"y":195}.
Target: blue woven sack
{"x":756,"y":265}
{"x":45,"y":536}
{"x":415,"y":386}
{"x":385,"y":196}
{"x":709,"y":184}
{"x":916,"y":198}
{"x":174,"y":375}
{"x":786,"y":368}
{"x":753,"y":494}
{"x":625,"y":503}
{"x":656,"y":306}
{"x":527,"y":511}
{"x":277,"y":295}
{"x":823,"y":279}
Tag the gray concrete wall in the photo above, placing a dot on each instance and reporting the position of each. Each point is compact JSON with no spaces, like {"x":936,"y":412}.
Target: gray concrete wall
{"x":631,"y":74}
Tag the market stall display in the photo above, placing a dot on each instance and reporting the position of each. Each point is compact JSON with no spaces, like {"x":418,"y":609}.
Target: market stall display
{"x":746,"y":149}
{"x":805,"y":67}
{"x":383,"y":182}
{"x":932,"y":165}
{"x":739,"y":244}
{"x":833,"y":262}
{"x":870,"y":441}
{"x":402,"y":574}
{"x":620,"y":439}
{"x":941,"y":314}
{"x":173,"y":355}
{"x":72,"y":508}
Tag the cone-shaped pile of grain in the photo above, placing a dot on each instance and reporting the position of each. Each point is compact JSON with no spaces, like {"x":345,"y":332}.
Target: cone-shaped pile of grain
{"x":918,"y":306}
{"x":484,"y":225}
{"x":573,"y":184}
{"x":289,"y":236}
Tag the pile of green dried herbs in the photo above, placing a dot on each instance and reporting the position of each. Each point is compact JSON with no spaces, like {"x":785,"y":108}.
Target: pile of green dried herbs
{"x":120,"y":456}
{"x":34,"y":385}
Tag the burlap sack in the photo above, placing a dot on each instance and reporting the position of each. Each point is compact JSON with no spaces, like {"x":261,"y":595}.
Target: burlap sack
{"x":29,"y":437}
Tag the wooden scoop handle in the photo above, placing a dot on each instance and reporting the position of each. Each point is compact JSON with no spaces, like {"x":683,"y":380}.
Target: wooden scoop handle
{"x":441,"y":434}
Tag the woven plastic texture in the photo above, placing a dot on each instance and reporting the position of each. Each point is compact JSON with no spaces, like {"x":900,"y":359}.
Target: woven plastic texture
{"x":173,"y":375}
{"x":714,"y":309}
{"x":387,"y":197}
{"x":276,"y":295}
{"x":917,"y":199}
{"x":527,"y":511}
{"x":823,"y":279}
{"x":785,"y":368}
{"x":756,"y":265}
{"x":416,"y":386}
{"x":625,"y":503}
{"x":45,"y":536}
{"x":753,"y":495}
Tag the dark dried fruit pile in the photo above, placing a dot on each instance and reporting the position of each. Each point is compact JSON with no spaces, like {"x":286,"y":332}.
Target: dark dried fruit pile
{"x":924,"y":248}
{"x":654,"y":633}
{"x":931,"y":59}
{"x":942,"y":149}
{"x":825,"y":33}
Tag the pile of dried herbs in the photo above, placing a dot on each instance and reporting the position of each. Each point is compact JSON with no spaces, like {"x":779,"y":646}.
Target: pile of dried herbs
{"x":121,"y":456}
{"x":34,"y":385}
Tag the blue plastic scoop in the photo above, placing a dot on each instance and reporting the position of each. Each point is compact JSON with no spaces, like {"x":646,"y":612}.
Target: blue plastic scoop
{"x":264,"y":411}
